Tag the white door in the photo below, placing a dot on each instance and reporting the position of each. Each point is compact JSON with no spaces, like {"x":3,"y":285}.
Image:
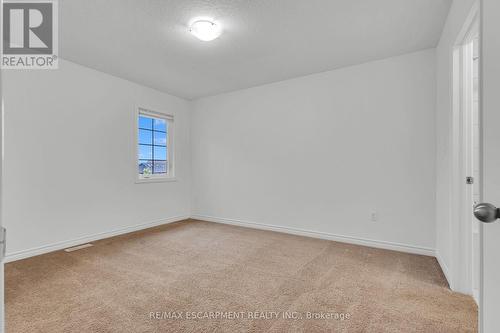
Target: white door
{"x":2,"y":239}
{"x":490,"y":78}
{"x":2,"y":245}
{"x":2,"y":248}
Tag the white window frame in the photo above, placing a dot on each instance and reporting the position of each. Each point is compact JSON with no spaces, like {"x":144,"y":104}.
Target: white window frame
{"x":170,"y":175}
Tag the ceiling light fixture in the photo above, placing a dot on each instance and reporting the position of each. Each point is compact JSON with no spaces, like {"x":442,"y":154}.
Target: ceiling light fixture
{"x":205,"y":30}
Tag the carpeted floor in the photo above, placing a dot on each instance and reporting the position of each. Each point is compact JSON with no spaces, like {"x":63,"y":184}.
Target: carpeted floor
{"x":174,"y":278}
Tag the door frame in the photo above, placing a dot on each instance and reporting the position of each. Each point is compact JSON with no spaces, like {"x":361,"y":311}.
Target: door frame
{"x":461,"y":245}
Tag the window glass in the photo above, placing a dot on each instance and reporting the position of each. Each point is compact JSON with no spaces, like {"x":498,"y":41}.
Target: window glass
{"x":153,"y":145}
{"x":145,"y":137}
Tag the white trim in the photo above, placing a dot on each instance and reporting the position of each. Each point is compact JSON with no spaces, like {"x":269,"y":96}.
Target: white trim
{"x":322,"y":235}
{"x":460,"y":224}
{"x":444,"y":268}
{"x":254,"y":225}
{"x":475,"y":295}
{"x":86,"y":239}
{"x":155,"y":180}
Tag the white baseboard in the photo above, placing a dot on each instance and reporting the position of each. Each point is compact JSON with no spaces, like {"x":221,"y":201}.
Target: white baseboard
{"x":475,"y":295}
{"x":322,"y":235}
{"x":294,"y":231}
{"x":445,"y":269}
{"x":86,"y":239}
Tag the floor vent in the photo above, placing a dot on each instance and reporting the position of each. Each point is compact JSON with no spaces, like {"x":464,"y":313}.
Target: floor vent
{"x":79,"y":247}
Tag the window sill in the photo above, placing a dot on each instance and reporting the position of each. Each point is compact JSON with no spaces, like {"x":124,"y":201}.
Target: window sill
{"x":155,"y":180}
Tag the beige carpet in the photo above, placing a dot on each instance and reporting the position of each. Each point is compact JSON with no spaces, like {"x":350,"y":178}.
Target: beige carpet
{"x":201,"y":270}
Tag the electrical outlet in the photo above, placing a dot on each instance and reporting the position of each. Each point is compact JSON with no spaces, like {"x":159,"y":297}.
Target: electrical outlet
{"x":373,"y":215}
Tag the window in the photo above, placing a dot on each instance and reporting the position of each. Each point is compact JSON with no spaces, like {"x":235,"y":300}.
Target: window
{"x":154,"y":145}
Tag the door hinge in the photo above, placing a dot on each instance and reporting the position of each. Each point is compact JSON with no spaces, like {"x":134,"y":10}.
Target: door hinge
{"x":469,"y":180}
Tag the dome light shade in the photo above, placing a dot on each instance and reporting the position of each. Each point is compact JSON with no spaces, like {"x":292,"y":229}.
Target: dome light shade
{"x":205,"y":30}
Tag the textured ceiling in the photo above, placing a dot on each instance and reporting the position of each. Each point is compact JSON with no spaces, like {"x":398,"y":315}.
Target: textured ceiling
{"x":263,"y":41}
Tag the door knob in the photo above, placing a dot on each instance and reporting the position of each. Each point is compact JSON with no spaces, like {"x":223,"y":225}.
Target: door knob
{"x":486,"y":212}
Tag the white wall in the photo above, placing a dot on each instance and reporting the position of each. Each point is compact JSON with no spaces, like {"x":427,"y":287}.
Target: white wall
{"x":316,"y":153}
{"x":70,"y":157}
{"x":444,"y":187}
{"x":320,"y":152}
